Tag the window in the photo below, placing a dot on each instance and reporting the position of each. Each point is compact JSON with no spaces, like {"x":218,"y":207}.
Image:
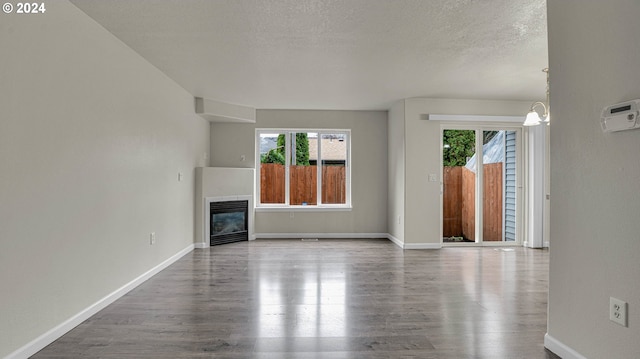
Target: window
{"x":303,"y":168}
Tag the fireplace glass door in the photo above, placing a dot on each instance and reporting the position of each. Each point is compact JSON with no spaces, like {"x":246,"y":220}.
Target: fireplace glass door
{"x":229,"y":222}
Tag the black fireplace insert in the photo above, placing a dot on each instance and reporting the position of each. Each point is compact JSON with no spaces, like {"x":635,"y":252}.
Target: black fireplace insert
{"x":229,"y":222}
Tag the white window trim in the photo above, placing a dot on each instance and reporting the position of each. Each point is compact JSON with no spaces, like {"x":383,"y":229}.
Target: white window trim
{"x":320,"y":207}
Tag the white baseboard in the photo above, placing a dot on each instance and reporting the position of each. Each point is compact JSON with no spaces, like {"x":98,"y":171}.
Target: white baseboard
{"x":560,"y":349}
{"x":393,"y":239}
{"x":319,"y":235}
{"x":544,"y":245}
{"x":202,"y":245}
{"x":396,"y":241}
{"x":422,"y":246}
{"x":49,"y":337}
{"x":404,"y":245}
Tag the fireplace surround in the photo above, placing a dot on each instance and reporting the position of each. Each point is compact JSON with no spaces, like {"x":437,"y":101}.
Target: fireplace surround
{"x":221,"y":184}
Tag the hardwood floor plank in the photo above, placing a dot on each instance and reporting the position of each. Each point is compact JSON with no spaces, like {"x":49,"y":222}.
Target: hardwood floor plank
{"x":327,"y":299}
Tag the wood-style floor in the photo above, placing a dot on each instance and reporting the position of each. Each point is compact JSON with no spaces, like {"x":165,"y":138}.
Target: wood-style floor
{"x":333,"y":299}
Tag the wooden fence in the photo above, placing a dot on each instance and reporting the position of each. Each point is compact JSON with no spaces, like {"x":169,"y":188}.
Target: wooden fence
{"x":271,"y":183}
{"x":459,"y":202}
{"x":452,"y":202}
{"x":303,"y":184}
{"x":334,"y":184}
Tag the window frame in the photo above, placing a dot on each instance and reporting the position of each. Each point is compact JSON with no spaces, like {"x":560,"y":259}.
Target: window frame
{"x":319,"y":207}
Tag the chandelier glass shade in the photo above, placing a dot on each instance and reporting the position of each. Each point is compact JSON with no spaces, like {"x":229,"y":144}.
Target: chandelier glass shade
{"x":533,"y":117}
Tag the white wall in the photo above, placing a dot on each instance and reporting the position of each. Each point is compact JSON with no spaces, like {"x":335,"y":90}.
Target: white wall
{"x":422,"y":148}
{"x":230,"y":141}
{"x":396,"y":153}
{"x":594,"y":61}
{"x":92,"y":138}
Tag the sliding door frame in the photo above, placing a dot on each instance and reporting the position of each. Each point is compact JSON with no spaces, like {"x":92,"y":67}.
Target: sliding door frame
{"x":521,"y":198}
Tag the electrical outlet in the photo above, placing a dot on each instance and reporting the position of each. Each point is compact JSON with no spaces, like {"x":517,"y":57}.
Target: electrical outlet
{"x":618,"y":311}
{"x":291,"y":214}
{"x":152,"y":238}
{"x":433,"y":178}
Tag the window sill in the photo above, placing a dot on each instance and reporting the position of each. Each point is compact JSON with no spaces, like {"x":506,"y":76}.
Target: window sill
{"x":325,"y":208}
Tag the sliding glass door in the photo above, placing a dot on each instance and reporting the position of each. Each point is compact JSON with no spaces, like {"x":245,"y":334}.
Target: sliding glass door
{"x":480,"y":185}
{"x":458,"y":186}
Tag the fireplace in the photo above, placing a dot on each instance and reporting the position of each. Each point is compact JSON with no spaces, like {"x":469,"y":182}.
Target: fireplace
{"x":229,"y":222}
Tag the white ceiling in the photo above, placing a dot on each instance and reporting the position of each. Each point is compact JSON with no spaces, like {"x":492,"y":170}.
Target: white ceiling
{"x":337,"y":54}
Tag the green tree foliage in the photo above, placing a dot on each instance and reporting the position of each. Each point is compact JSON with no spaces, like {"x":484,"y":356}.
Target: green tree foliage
{"x":488,"y":136}
{"x":281,"y":143}
{"x":273,"y":156}
{"x":277,"y":155}
{"x":459,"y":146}
{"x":302,"y":149}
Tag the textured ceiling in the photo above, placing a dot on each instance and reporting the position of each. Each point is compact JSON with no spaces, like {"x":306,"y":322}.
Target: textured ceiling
{"x":337,"y":54}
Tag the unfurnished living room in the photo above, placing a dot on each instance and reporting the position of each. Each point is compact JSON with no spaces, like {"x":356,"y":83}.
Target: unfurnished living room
{"x":319,"y":179}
